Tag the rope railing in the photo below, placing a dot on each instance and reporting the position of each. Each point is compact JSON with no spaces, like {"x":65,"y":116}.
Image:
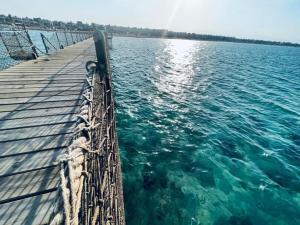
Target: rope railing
{"x":17,"y":45}
{"x":102,"y":202}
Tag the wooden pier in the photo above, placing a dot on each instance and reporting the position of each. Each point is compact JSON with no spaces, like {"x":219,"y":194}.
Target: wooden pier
{"x":39,"y":105}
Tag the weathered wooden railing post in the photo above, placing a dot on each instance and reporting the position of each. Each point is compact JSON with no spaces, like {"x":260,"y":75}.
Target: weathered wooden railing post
{"x":101,"y":51}
{"x":103,"y":64}
{"x":111,"y":209}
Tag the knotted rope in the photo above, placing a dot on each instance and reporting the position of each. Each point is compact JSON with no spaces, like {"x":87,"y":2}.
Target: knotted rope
{"x":72,"y":164}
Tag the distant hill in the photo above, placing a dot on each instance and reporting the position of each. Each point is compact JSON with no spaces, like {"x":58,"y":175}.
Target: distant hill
{"x":43,"y":24}
{"x":157,"y":33}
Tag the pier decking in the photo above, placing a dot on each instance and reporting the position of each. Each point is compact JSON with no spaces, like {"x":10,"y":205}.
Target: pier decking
{"x":39,"y":101}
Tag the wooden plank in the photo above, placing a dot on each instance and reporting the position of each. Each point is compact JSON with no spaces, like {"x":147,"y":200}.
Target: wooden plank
{"x":35,"y":131}
{"x":40,"y":105}
{"x":8,"y":91}
{"x":34,"y":144}
{"x":45,"y":74}
{"x":8,"y":101}
{"x":30,"y":161}
{"x":35,"y":73}
{"x":36,"y":113}
{"x":51,"y":64}
{"x":36,"y":121}
{"x":42,"y":81}
{"x":40,"y":85}
{"x":34,"y":210}
{"x":41,"y":77}
{"x":38,"y":94}
{"x":38,"y":69}
{"x":29,"y":182}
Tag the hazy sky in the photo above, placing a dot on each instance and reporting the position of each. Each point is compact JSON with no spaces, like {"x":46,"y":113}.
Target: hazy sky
{"x":261,"y":19}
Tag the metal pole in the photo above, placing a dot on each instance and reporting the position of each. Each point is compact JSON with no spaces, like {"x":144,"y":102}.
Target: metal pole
{"x":4,"y":43}
{"x":60,"y":46}
{"x":72,"y":38}
{"x":46,"y":48}
{"x":77,"y":36}
{"x":66,"y":38}
{"x":20,"y":46}
{"x":31,"y":43}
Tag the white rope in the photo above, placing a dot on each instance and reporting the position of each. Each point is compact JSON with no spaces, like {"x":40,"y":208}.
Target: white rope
{"x":74,"y":158}
{"x":65,"y":195}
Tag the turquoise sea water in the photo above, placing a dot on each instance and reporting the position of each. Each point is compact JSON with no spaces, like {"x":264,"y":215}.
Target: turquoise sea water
{"x":209,"y":132}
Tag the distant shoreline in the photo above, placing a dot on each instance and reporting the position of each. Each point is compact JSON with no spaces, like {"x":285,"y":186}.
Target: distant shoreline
{"x":241,"y":41}
{"x":170,"y":35}
{"x":48,"y":25}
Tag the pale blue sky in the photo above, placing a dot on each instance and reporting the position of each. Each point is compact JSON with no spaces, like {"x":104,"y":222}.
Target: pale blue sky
{"x":277,"y":20}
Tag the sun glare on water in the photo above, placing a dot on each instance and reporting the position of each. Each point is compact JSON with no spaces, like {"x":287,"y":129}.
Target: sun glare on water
{"x":177,"y":70}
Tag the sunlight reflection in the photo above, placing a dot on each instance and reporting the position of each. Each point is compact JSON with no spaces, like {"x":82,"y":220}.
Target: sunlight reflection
{"x":176,"y":67}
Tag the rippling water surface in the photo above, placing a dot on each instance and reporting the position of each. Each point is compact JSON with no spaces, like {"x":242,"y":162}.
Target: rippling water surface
{"x":209,"y":132}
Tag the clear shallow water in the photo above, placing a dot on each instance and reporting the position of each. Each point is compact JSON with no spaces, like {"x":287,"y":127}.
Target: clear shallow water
{"x":209,"y":132}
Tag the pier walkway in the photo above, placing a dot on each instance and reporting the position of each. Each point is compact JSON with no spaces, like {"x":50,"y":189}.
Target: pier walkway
{"x":39,"y":103}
